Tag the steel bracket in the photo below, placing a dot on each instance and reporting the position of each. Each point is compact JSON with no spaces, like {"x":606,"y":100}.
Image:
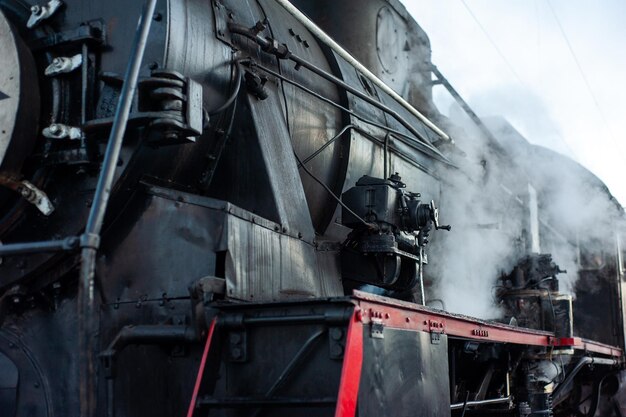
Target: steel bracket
{"x":436,"y":329}
{"x":377,"y":329}
{"x":90,"y":240}
{"x":237,"y":345}
{"x":222,"y":17}
{"x":91,"y":32}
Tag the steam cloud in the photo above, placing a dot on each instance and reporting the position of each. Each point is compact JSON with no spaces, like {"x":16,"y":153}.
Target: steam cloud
{"x":486,"y":201}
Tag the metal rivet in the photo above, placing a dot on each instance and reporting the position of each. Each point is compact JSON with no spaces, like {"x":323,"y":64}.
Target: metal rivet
{"x":337,"y":350}
{"x":336,"y":334}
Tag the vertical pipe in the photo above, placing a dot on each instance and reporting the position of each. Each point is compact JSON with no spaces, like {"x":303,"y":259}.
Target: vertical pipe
{"x":421,"y":277}
{"x":87,"y":318}
{"x":386,"y":157}
{"x":620,"y":256}
{"x":84,"y":75}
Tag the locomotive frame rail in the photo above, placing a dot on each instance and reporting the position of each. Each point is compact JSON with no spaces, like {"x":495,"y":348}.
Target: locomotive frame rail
{"x":403,"y":315}
{"x":364,"y":319}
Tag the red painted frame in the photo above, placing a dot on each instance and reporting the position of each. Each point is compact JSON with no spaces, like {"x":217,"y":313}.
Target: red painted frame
{"x":397,"y":314}
{"x":403,"y":315}
{"x":205,"y":354}
{"x":351,"y":369}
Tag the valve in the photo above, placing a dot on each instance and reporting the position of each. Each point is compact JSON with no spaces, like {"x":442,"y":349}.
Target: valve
{"x":434,"y":215}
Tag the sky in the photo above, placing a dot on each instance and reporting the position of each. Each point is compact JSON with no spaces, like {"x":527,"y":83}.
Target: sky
{"x":555,"y":69}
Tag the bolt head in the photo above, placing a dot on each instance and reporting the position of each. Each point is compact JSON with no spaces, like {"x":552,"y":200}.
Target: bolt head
{"x":337,"y":350}
{"x":35,"y":9}
{"x":236,"y":353}
{"x":336,"y":334}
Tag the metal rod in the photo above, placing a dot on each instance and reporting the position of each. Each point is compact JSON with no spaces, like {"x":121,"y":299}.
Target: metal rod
{"x":385,"y":156}
{"x":103,"y":188}
{"x":248,"y":402}
{"x":491,"y":401}
{"x":83,"y":88}
{"x":429,"y":149}
{"x":87,"y":318}
{"x":281,"y":320}
{"x":328,"y":143}
{"x":464,"y":406}
{"x":67,"y":244}
{"x":330,"y":77}
{"x":470,"y":112}
{"x":421,"y":277}
{"x":371,"y":226}
{"x":328,"y":41}
{"x":268,"y":45}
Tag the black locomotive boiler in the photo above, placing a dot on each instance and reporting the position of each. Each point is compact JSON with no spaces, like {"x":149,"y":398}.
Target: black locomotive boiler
{"x":219,"y":210}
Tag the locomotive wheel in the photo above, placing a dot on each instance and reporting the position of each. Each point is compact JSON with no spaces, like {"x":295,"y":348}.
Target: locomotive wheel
{"x":19,"y":99}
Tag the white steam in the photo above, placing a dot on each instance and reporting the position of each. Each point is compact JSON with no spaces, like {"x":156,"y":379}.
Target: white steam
{"x":486,"y":202}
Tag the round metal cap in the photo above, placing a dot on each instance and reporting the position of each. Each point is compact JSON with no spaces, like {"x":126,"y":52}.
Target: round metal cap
{"x":19,"y":99}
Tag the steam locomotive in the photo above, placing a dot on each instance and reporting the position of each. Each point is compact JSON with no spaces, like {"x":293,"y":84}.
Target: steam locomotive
{"x":237,"y":212}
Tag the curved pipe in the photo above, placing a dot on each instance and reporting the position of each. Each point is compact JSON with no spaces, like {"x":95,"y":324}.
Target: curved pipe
{"x":87,"y":314}
{"x":230,"y":100}
{"x":584,"y":361}
{"x":139,"y":335}
{"x":145,"y":335}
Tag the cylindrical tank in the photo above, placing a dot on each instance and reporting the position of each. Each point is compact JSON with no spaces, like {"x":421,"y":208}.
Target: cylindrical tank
{"x":385,"y":38}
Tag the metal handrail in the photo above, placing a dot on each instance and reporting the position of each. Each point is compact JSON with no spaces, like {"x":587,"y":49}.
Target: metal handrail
{"x":87,"y":317}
